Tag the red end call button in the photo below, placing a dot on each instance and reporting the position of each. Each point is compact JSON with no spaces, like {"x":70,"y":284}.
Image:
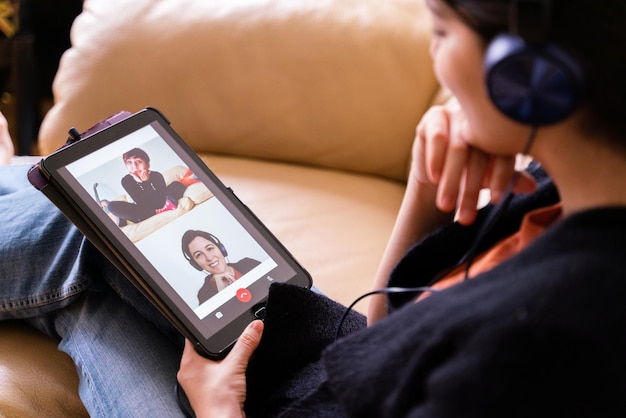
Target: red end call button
{"x":244,"y":295}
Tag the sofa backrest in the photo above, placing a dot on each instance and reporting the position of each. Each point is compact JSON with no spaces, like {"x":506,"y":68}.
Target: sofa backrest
{"x":339,"y":84}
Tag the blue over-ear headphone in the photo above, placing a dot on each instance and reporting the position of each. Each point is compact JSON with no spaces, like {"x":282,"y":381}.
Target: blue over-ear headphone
{"x":190,"y":235}
{"x":529,"y":79}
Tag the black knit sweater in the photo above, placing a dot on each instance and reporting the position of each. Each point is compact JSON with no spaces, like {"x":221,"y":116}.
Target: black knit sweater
{"x":541,"y":335}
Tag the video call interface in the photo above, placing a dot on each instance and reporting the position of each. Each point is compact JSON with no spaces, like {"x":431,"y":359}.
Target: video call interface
{"x":209,"y":259}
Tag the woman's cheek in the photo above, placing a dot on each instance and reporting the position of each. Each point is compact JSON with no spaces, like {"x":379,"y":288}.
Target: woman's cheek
{"x":439,"y":68}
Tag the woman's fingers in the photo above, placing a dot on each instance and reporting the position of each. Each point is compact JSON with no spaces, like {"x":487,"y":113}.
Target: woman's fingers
{"x":246,"y":344}
{"x":457,"y":158}
{"x":471,"y":185}
{"x":444,"y":159}
{"x":502,"y":172}
{"x":434,"y":138}
{"x":218,"y":388}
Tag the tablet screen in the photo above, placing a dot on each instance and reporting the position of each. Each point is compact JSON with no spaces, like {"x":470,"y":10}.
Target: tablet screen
{"x":185,"y":234}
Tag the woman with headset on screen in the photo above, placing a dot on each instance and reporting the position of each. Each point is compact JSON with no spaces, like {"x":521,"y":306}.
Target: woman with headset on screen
{"x":525,"y":313}
{"x":532,"y":320}
{"x":205,"y":252}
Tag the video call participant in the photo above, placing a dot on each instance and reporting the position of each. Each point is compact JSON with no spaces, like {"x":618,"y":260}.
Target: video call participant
{"x":205,"y":252}
{"x":147,"y":188}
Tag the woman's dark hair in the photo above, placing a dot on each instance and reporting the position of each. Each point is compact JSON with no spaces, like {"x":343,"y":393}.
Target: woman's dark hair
{"x":590,"y":31}
{"x":136,"y":152}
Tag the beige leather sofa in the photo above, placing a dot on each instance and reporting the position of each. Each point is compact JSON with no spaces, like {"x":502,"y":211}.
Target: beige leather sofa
{"x":307,"y":109}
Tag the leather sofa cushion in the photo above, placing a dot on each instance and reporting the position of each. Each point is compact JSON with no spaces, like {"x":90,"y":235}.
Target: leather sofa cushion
{"x":335,"y":223}
{"x":36,"y":380}
{"x":335,"y":84}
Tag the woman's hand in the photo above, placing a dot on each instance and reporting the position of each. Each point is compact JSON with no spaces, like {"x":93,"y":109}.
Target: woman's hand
{"x":218,"y":388}
{"x":143,"y":175}
{"x":444,"y":159}
{"x":224,"y":279}
{"x":447,"y":174}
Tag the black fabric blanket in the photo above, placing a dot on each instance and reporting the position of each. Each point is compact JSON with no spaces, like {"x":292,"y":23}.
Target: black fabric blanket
{"x":286,"y":367}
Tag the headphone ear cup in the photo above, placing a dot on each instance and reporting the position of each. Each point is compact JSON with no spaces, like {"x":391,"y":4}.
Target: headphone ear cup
{"x":223,"y":250}
{"x":532,"y":84}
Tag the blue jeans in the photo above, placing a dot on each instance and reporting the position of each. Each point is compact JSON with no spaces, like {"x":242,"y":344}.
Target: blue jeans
{"x":126,"y":356}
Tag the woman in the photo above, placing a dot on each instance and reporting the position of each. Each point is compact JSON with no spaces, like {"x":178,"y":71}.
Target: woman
{"x":207,"y":253}
{"x":541,"y":333}
{"x":147,"y":188}
{"x":539,"y":329}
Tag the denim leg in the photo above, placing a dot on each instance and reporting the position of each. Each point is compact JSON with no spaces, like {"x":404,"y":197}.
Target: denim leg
{"x":41,"y":266}
{"x":46,"y":263}
{"x":127,"y":367}
{"x":50,"y":274}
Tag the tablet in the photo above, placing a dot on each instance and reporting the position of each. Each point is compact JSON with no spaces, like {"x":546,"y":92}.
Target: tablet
{"x":152,"y":206}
